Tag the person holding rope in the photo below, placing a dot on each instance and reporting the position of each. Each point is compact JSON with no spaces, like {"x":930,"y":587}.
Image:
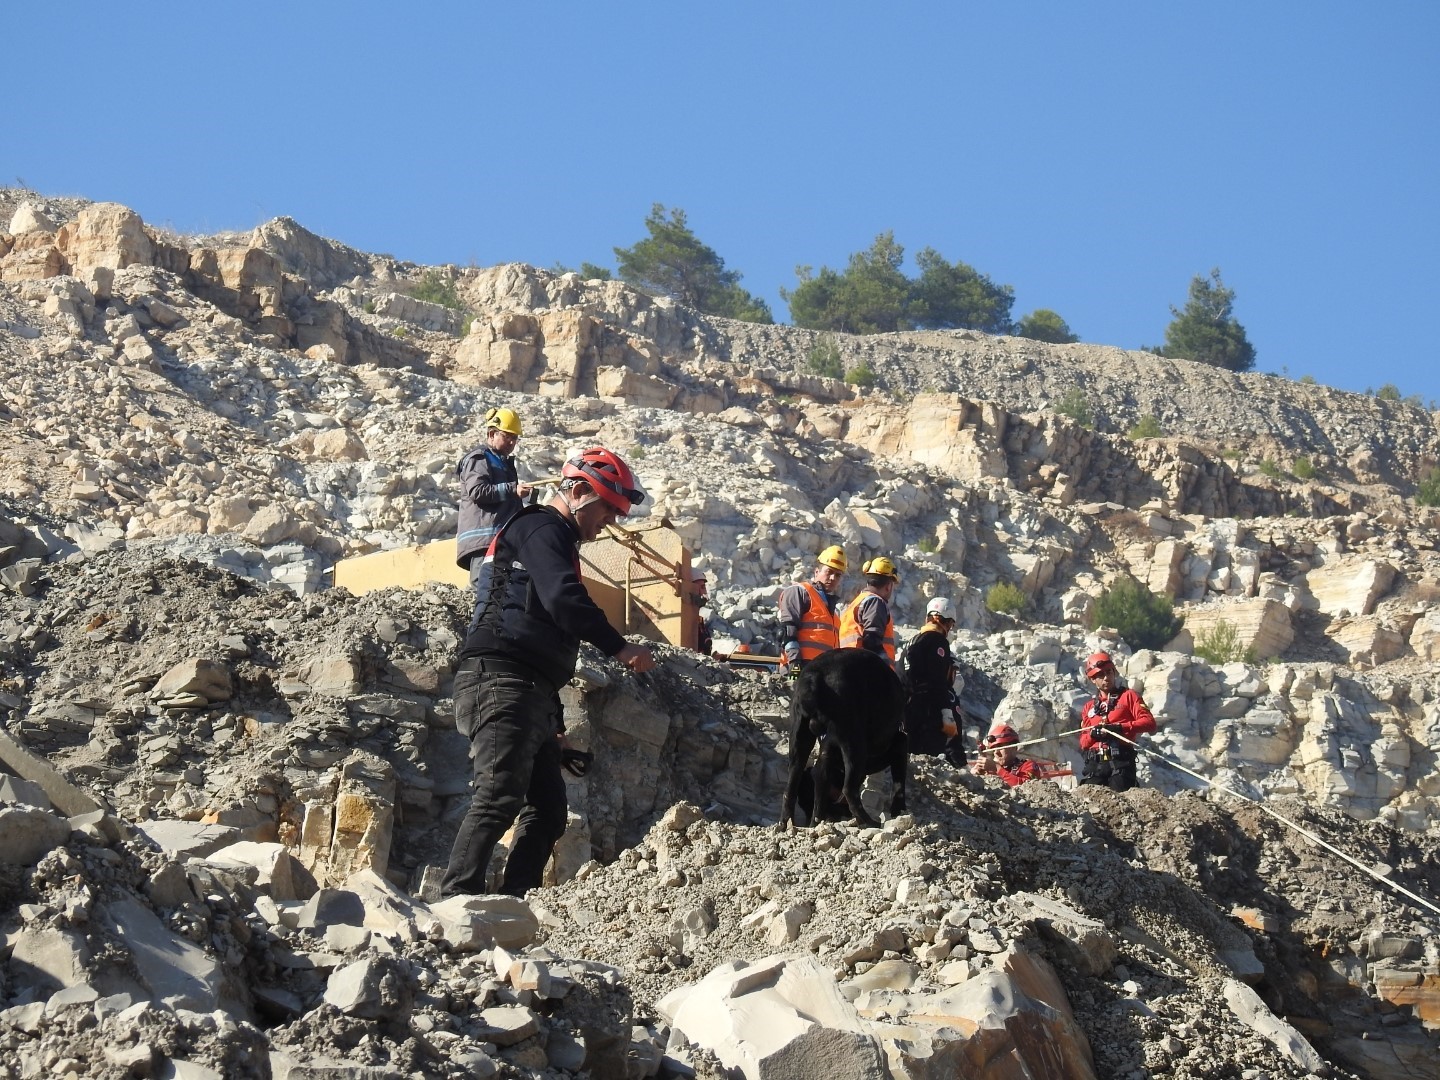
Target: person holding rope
{"x":998,"y":757}
{"x":1110,"y":722}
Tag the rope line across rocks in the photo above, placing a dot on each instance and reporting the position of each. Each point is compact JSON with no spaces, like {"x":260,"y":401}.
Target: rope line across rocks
{"x":1314,"y":839}
{"x":1257,"y":803}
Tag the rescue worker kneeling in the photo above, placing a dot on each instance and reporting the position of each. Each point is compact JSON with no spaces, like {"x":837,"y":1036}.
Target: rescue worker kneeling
{"x":998,"y":757}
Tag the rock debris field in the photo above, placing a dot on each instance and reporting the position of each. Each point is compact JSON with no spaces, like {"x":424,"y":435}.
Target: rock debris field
{"x":156,"y":925}
{"x":227,"y":789}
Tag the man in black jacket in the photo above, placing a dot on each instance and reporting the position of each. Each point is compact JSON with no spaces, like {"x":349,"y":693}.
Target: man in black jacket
{"x":531,"y":613}
{"x":930,"y":708}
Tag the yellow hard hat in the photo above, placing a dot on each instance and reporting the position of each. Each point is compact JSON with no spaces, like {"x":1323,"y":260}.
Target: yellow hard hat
{"x":834,"y":557}
{"x":504,"y":420}
{"x":882,"y":567}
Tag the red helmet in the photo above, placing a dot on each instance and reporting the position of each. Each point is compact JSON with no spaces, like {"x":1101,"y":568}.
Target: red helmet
{"x":1001,"y":735}
{"x":1096,"y":663}
{"x":606,"y":472}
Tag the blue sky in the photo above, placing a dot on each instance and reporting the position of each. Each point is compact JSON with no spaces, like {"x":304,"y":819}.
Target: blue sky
{"x":1095,"y":156}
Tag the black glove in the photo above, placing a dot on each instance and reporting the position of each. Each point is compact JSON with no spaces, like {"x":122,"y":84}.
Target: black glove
{"x":576,"y":762}
{"x":1102,"y":733}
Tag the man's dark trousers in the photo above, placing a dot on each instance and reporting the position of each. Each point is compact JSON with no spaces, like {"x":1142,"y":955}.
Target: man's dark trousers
{"x":512,"y":722}
{"x":1117,"y":772}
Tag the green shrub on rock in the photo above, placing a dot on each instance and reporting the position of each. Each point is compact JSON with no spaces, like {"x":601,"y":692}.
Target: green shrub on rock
{"x":1428,"y":493}
{"x":1147,"y":427}
{"x":1005,"y":599}
{"x":1220,"y":645}
{"x":1144,"y":619}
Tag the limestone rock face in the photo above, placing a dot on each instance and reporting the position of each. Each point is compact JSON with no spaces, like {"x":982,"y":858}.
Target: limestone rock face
{"x":27,"y":832}
{"x":944,"y":431}
{"x":1403,"y":985}
{"x":1349,"y":586}
{"x":105,"y":235}
{"x":271,"y":525}
{"x":1261,"y":624}
{"x":419,"y":312}
{"x":171,"y":969}
{"x":1252,"y":1010}
{"x":31,"y":256}
{"x":244,"y":281}
{"x":1083,"y":941}
{"x":323,"y":262}
{"x":1425,"y":636}
{"x":635,"y":388}
{"x":1367,"y":640}
{"x":210,"y":679}
{"x":778,"y":1018}
{"x":1016,"y":1014}
{"x":338,"y":444}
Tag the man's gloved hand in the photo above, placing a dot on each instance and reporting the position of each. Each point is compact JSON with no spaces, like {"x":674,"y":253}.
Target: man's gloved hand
{"x":1101,"y":733}
{"x":576,"y":762}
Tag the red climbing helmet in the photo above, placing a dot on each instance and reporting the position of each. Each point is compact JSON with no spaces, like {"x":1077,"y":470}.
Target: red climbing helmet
{"x":1001,"y":735}
{"x":1097,"y":663}
{"x":606,"y":472}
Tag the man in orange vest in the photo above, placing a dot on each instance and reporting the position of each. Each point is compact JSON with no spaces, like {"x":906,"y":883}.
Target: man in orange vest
{"x":866,"y":622}
{"x":808,"y":625}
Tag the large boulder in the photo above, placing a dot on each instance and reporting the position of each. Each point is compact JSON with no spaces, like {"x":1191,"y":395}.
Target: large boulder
{"x":1260,"y":624}
{"x":780,"y":1018}
{"x":29,"y":217}
{"x":1348,"y":586}
{"x":105,"y":235}
{"x":28,"y":832}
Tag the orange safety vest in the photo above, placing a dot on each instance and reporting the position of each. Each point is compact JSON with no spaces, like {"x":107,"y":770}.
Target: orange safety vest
{"x":850,"y":632}
{"x":819,"y":632}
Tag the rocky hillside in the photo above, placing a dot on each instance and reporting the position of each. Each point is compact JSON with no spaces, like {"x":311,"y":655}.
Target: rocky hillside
{"x":260,"y":773}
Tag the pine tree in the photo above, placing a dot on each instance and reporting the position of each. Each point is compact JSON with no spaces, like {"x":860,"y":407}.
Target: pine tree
{"x":672,"y":261}
{"x":1206,"y":330}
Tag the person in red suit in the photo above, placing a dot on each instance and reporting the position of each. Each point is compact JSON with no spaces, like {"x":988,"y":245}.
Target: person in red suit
{"x":998,"y":757}
{"x":1113,"y":711}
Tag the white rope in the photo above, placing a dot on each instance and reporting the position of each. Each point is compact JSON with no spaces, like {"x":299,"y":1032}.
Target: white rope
{"x":1047,"y":738}
{"x":1278,"y":817}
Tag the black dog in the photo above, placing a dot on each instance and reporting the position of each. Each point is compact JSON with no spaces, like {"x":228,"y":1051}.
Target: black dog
{"x":851,"y":702}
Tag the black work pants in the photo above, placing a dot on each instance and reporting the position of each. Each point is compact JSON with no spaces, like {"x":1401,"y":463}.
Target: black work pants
{"x":512,"y":723}
{"x":1115,"y":772}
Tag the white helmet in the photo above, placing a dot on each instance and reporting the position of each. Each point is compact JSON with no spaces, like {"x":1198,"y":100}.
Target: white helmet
{"x":941,"y":607}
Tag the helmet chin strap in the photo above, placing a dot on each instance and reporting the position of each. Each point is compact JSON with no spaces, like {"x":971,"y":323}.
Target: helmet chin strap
{"x":576,"y":508}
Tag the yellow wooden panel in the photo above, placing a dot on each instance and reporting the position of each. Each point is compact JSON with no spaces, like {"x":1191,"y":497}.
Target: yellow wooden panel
{"x":411,"y":567}
{"x":647,"y":562}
